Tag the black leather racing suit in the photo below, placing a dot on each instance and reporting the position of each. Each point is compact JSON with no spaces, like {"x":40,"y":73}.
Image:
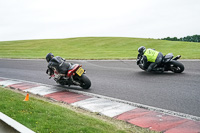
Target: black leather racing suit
{"x":59,"y":64}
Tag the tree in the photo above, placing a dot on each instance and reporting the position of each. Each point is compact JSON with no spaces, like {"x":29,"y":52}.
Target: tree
{"x":194,"y":38}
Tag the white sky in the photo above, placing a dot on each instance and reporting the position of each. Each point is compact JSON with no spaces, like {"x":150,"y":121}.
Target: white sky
{"x":43,"y":19}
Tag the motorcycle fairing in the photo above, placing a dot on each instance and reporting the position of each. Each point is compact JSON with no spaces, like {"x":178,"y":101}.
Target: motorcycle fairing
{"x":167,"y":57}
{"x":73,"y":68}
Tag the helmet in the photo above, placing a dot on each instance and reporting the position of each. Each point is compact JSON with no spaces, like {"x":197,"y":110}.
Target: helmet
{"x":49,"y":57}
{"x":141,"y":49}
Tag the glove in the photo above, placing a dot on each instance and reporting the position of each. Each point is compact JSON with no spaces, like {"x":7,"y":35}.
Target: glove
{"x":49,"y":72}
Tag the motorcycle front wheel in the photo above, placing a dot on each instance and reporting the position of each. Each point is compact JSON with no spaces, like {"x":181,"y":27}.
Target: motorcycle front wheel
{"x":176,"y":66}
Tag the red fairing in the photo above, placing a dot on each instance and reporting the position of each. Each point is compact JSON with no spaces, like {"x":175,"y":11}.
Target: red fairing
{"x":70,"y":72}
{"x":55,"y":72}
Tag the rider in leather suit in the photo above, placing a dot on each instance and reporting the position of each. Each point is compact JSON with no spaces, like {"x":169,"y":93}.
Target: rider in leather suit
{"x":56,"y":63}
{"x":151,"y":59}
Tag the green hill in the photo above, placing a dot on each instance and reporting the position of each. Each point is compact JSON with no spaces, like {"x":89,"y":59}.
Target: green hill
{"x":95,"y":48}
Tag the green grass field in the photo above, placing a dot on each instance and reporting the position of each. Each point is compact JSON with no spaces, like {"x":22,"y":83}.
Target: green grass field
{"x":45,"y":117}
{"x":95,"y":48}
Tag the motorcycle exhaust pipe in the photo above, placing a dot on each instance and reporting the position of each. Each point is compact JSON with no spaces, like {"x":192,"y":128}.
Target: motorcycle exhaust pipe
{"x":177,"y":57}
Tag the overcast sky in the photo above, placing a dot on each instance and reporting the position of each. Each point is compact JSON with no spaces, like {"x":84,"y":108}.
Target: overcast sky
{"x":44,"y":19}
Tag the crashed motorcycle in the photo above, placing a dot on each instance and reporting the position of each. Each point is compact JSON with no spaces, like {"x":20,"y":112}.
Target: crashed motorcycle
{"x":168,"y":63}
{"x":75,"y":76}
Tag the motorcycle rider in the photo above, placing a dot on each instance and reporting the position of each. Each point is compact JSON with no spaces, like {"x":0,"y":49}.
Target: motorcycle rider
{"x":150,"y":58}
{"x":56,"y":63}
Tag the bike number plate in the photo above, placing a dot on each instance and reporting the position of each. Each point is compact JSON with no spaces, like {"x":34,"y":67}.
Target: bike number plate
{"x":80,"y":71}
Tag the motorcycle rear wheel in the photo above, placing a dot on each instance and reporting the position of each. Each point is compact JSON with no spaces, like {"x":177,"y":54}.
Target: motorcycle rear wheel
{"x":176,"y":66}
{"x":85,"y":82}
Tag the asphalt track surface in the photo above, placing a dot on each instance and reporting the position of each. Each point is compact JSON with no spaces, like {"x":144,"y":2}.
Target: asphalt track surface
{"x":123,"y":80}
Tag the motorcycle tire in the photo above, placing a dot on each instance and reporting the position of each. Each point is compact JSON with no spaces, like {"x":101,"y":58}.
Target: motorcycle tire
{"x":86,"y":83}
{"x":176,"y":66}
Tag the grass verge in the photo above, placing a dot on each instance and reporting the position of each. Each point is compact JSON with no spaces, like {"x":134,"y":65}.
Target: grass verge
{"x":95,"y":48}
{"x":43,"y":116}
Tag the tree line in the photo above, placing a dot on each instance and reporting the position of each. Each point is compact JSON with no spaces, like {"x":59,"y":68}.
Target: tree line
{"x":194,"y":38}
